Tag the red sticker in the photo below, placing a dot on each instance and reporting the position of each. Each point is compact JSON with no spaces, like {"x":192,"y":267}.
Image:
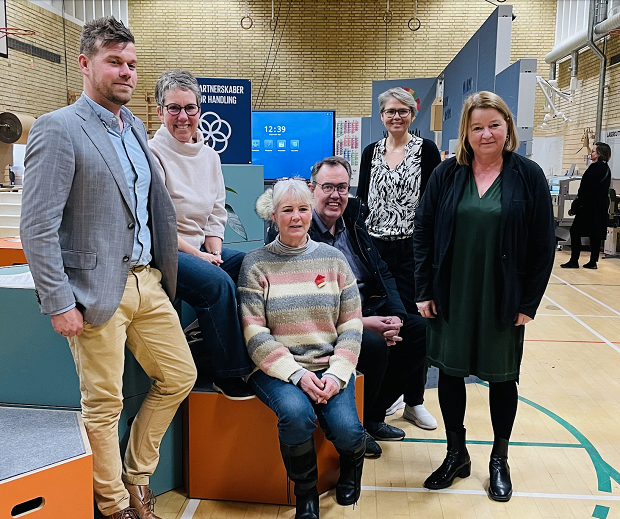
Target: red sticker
{"x":320,"y":281}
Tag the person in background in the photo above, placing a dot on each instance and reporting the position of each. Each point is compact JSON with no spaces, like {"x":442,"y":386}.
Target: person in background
{"x":302,"y":321}
{"x":394,"y":172}
{"x":98,"y":230}
{"x":484,"y":244}
{"x":591,"y":208}
{"x":207,"y":271}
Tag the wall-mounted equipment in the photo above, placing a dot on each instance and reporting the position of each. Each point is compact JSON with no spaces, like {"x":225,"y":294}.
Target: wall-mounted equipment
{"x":14,"y":129}
{"x":289,"y":142}
{"x":437,"y":114}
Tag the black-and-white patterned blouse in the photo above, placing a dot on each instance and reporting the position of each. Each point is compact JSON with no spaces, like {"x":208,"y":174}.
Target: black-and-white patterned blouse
{"x":394,"y":194}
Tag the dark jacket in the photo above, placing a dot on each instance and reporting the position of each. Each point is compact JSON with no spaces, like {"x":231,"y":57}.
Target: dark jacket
{"x":430,"y":159}
{"x":382,"y":295}
{"x":527,"y":239}
{"x":591,"y":207}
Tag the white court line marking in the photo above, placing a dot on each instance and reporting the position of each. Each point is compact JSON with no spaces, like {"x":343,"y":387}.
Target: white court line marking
{"x":578,"y":315}
{"x":584,"y":324}
{"x":587,"y":295}
{"x":190,"y":509}
{"x":588,"y":497}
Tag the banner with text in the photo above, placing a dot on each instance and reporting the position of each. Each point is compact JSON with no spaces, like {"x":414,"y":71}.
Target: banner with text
{"x":226,"y":118}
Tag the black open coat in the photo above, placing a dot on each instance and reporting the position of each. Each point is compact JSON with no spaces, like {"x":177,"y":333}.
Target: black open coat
{"x":527,"y":238}
{"x":591,"y":207}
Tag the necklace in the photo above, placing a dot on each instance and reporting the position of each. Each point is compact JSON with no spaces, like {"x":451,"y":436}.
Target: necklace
{"x":394,"y":150}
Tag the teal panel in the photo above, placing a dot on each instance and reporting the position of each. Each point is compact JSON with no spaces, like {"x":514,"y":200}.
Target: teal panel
{"x":36,"y":365}
{"x":135,"y":380}
{"x":248,"y":182}
{"x":169,"y":473}
{"x":247,"y":246}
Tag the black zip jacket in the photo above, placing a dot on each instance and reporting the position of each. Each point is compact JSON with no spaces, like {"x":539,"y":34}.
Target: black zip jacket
{"x":382,"y":296}
{"x":527,"y":238}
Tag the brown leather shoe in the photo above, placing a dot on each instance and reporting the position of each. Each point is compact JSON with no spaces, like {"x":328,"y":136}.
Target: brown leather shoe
{"x":141,"y":498}
{"x":125,"y":513}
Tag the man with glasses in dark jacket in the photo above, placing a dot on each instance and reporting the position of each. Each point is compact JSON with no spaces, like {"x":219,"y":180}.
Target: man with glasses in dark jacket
{"x":393,"y":342}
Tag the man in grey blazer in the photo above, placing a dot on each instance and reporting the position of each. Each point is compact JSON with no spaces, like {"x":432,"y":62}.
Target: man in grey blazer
{"x":99,"y":232}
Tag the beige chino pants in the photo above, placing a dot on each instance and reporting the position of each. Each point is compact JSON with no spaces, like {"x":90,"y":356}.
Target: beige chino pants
{"x":146,"y":322}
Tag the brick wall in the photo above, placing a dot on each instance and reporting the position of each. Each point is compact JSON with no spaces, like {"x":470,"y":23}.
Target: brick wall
{"x":34,"y":85}
{"x":330,"y":51}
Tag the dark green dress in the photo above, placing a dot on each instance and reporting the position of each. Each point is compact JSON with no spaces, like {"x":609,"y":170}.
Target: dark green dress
{"x":474,"y":341}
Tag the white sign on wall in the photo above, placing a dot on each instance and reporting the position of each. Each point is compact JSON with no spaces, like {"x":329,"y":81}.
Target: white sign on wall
{"x":349,"y":143}
{"x":612,"y":137}
{"x":547,"y":153}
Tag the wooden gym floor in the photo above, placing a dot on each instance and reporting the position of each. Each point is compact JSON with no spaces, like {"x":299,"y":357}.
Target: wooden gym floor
{"x":565,"y":447}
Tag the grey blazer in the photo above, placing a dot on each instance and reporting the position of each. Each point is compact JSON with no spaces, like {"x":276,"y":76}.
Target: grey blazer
{"x":77,"y":226}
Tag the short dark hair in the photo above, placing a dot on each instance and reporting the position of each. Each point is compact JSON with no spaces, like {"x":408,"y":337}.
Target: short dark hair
{"x":103,"y":32}
{"x":173,"y":79}
{"x":604,"y":151}
{"x":330,"y":161}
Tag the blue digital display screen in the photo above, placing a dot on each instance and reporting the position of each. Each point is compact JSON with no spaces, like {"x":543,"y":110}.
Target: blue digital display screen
{"x":289,"y":142}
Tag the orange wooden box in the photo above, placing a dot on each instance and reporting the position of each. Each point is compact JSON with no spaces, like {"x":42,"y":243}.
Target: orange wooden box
{"x":232,"y":452}
{"x":64,"y":489}
{"x":11,"y":252}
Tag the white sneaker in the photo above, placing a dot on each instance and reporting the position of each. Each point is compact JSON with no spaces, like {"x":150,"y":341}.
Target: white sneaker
{"x":418,"y":415}
{"x":396,"y":406}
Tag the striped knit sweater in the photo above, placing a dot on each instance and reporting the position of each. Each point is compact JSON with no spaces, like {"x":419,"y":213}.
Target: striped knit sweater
{"x":294,"y":319}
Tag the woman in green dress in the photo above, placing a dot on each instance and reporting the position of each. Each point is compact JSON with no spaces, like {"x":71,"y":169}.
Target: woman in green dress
{"x":483,"y":245}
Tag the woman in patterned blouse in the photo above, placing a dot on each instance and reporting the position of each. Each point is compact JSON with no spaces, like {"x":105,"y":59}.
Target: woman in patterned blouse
{"x":394,"y":172}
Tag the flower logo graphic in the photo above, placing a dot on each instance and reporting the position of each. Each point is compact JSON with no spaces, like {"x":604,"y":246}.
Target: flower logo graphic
{"x":216,"y":131}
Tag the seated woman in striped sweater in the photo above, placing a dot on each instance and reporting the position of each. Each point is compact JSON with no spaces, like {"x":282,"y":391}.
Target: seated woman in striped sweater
{"x":301,"y":318}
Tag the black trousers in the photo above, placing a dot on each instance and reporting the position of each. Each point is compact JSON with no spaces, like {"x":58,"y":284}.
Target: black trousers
{"x":575,"y":245}
{"x":388,"y":369}
{"x":503,"y":399}
{"x":399,"y":258}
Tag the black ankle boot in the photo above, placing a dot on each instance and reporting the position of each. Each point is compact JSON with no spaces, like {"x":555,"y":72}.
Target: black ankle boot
{"x":349,"y":484}
{"x":500,"y":486}
{"x":300,"y":463}
{"x":456,"y":464}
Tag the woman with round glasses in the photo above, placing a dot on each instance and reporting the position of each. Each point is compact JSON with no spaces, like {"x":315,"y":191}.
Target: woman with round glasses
{"x":207,"y":272}
{"x":394,"y":172}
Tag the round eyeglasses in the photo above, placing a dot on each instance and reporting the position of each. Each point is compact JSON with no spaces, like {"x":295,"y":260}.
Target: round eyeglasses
{"x":175,"y":109}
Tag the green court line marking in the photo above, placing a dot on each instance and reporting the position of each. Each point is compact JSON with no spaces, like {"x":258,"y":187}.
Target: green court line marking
{"x":512,"y":444}
{"x":604,"y":471}
{"x":600,"y":512}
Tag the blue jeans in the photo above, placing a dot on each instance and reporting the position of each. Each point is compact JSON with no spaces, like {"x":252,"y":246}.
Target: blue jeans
{"x":297,"y":414}
{"x":210,"y":290}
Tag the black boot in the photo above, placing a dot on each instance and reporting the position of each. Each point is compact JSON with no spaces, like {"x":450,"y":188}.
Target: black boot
{"x":349,"y":484}
{"x":300,"y":463}
{"x":456,"y":464}
{"x":500,"y":486}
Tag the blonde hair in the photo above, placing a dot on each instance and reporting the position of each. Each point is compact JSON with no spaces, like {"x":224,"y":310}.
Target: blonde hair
{"x":464,"y":152}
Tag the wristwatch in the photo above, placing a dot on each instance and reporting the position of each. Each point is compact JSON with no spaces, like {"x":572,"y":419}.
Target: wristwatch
{"x":216,"y":252}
